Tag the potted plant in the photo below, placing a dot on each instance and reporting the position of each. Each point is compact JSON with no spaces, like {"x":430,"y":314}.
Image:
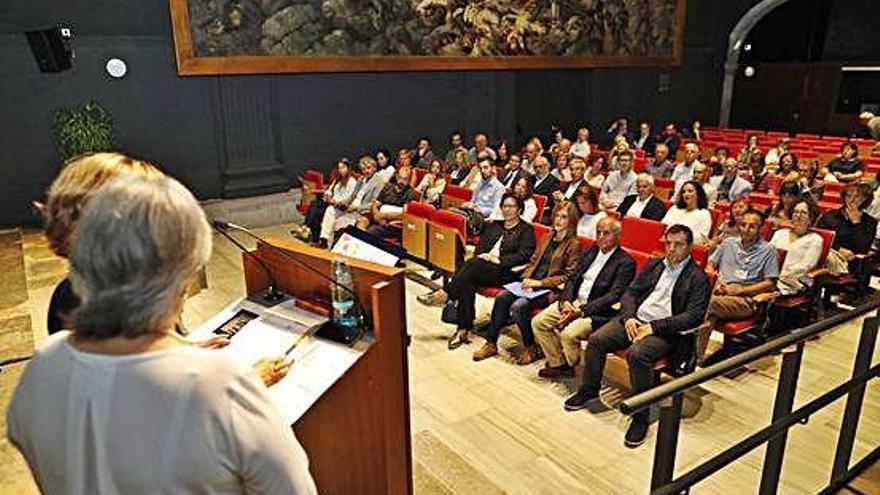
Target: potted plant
{"x":87,"y":129}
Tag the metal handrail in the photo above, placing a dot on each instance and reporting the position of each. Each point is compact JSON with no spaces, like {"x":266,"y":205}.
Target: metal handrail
{"x":702,"y":375}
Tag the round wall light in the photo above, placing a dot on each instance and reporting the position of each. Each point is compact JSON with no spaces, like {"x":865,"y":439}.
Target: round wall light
{"x":116,"y":68}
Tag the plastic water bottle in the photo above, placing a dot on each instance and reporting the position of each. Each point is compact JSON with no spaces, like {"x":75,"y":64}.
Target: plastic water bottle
{"x":344,"y":315}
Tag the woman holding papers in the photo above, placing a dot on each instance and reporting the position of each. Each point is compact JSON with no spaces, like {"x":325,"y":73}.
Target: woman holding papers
{"x":552,"y":263}
{"x":122,"y":404}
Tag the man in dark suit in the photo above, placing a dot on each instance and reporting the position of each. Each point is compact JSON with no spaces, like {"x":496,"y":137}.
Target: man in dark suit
{"x":643,"y":204}
{"x":512,"y":172}
{"x":586,"y":301}
{"x":645,"y":141}
{"x":667,"y":298}
{"x":671,"y":139}
{"x":544,"y":183}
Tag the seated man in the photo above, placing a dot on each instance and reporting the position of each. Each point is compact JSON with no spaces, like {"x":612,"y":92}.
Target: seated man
{"x":566,"y":193}
{"x":684,"y":171}
{"x":661,"y":167}
{"x":643,"y":204}
{"x":487,"y":191}
{"x":669,"y":296}
{"x":512,"y":172}
{"x":746,"y":266}
{"x":586,"y":301}
{"x":620,"y":183}
{"x":388,"y":206}
{"x":729,"y":186}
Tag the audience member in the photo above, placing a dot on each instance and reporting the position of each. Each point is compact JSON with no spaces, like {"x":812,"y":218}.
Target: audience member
{"x":643,"y":204}
{"x":338,"y":197}
{"x":595,"y":175}
{"x":619,"y":183}
{"x":433,"y":183}
{"x":523,"y":190}
{"x":561,"y":168}
{"x":702,"y":175}
{"x":512,"y":172}
{"x":150,"y":407}
{"x":667,"y":298}
{"x":751,"y":152}
{"x":807,"y":180}
{"x":423,"y":154}
{"x":854,"y":232}
{"x":578,"y":168}
{"x":691,"y":210}
{"x":646,"y":141}
{"x":696,"y":131}
{"x":803,"y":248}
{"x":456,"y":144}
{"x":587,"y":301}
{"x":684,"y":171}
{"x":746,"y":266}
{"x":504,"y":244}
{"x":729,"y":186}
{"x":620,"y":128}
{"x":780,"y":214}
{"x":545,"y":184}
{"x":590,"y":215}
{"x":384,"y":167}
{"x":730,"y":226}
{"x":620,"y":146}
{"x":581,"y":147}
{"x":481,"y":144}
{"x":551,"y":265}
{"x":487,"y":191}
{"x":774,"y":154}
{"x":387,"y":210}
{"x":872,"y":125}
{"x":532,"y":152}
{"x":404,"y":158}
{"x":671,"y":139}
{"x":847,"y":167}
{"x":460,"y":168}
{"x":661,"y":167}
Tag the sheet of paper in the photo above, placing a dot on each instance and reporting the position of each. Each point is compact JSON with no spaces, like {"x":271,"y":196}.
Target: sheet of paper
{"x":317,"y":363}
{"x":517,"y":289}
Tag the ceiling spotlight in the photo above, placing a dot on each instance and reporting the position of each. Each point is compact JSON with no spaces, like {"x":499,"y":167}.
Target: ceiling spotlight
{"x":748,"y":47}
{"x":116,"y":68}
{"x":750,"y":71}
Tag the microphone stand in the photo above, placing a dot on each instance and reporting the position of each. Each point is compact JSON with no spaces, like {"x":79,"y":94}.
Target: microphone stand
{"x":272,"y":294}
{"x":363,"y":316}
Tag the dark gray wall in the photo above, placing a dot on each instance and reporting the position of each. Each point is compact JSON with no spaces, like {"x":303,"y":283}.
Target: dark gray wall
{"x":223,"y":134}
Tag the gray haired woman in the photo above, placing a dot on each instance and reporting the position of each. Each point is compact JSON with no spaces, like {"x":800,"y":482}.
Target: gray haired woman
{"x":121,"y":404}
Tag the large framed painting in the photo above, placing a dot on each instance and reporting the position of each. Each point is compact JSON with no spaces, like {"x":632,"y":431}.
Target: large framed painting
{"x":268,"y":36}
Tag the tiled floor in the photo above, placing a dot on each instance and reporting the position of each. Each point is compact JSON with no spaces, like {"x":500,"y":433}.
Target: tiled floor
{"x":495,"y":427}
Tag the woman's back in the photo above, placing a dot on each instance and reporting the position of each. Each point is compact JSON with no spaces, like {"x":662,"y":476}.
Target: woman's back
{"x":178,"y":420}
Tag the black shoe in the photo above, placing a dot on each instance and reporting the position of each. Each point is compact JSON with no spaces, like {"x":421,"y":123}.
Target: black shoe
{"x":636,"y":433}
{"x":436,"y":275}
{"x":563,"y":370}
{"x":579,"y":400}
{"x":457,"y":339}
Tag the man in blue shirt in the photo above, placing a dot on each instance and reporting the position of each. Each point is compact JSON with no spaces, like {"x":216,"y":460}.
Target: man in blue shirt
{"x":746,"y":266}
{"x":488,"y":191}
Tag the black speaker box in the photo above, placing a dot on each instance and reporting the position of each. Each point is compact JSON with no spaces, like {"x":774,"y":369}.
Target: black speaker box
{"x":51,"y":49}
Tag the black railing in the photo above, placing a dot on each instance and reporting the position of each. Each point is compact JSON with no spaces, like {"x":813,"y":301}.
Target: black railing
{"x":670,"y":396}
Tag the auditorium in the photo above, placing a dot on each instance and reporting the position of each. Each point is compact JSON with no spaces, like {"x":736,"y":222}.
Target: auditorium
{"x":437,"y":247}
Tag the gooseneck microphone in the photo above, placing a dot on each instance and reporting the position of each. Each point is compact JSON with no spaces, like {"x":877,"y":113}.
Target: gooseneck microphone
{"x":272,"y":294}
{"x":363,"y":316}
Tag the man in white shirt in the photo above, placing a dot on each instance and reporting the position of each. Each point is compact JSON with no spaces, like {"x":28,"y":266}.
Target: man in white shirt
{"x":684,"y":171}
{"x":620,"y":183}
{"x":578,"y":168}
{"x":586,"y":301}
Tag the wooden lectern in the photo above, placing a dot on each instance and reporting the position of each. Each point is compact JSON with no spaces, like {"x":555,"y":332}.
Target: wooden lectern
{"x":357,"y":435}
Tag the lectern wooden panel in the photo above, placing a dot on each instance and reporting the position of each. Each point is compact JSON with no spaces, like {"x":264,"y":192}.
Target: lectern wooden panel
{"x":357,"y":435}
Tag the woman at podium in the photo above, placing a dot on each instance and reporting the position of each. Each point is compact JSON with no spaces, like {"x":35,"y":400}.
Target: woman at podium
{"x":121,"y":403}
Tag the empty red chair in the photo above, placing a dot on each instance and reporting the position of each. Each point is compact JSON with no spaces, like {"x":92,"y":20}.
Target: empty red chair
{"x":455,"y":195}
{"x":641,"y":258}
{"x":540,"y":231}
{"x":642,"y":234}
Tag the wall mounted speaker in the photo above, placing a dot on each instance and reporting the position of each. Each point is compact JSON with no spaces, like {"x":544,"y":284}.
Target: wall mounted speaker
{"x":51,"y":48}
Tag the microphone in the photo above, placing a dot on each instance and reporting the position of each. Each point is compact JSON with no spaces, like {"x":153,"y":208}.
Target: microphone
{"x":272,"y":294}
{"x":329,"y":331}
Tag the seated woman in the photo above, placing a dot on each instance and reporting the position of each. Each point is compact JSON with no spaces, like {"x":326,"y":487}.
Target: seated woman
{"x":780,"y":214}
{"x":594,"y":176}
{"x":504,"y":244}
{"x":729,"y":228}
{"x":522,"y":188}
{"x":552,"y":263}
{"x":750,"y":152}
{"x":847,"y":167}
{"x":620,"y":145}
{"x":803,"y":248}
{"x":432,"y":185}
{"x":322,"y":214}
{"x":561,"y":169}
{"x":691,"y":210}
{"x":587,"y":201}
{"x":854,"y":232}
{"x":151,"y":412}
